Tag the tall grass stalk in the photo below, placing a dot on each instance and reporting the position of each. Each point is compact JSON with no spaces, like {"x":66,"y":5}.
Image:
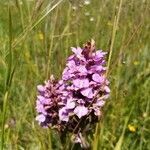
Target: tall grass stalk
{"x":115,"y":26}
{"x":49,"y":58}
{"x":3,"y":119}
{"x":120,"y":141}
{"x":32,"y":25}
{"x":9,"y":76}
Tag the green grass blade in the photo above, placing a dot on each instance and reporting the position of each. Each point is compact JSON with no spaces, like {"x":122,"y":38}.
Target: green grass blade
{"x":9,"y":69}
{"x":3,"y":119}
{"x":121,"y":138}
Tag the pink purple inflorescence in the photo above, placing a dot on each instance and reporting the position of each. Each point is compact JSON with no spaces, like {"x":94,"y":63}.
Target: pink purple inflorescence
{"x":81,"y":93}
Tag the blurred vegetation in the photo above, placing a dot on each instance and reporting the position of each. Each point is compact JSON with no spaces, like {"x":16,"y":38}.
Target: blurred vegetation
{"x":35,"y":40}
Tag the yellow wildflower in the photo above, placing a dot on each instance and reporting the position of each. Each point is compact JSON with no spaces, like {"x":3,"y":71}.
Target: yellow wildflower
{"x":41,"y":36}
{"x":144,"y":114}
{"x":136,"y":63}
{"x":6,"y":126}
{"x":109,"y":23}
{"x":131,"y":128}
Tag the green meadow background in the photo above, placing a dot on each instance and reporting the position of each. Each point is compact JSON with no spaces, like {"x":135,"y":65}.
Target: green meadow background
{"x":35,"y":40}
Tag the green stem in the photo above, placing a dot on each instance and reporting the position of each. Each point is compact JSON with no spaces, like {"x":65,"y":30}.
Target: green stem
{"x":3,"y":119}
{"x":115,"y":26}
